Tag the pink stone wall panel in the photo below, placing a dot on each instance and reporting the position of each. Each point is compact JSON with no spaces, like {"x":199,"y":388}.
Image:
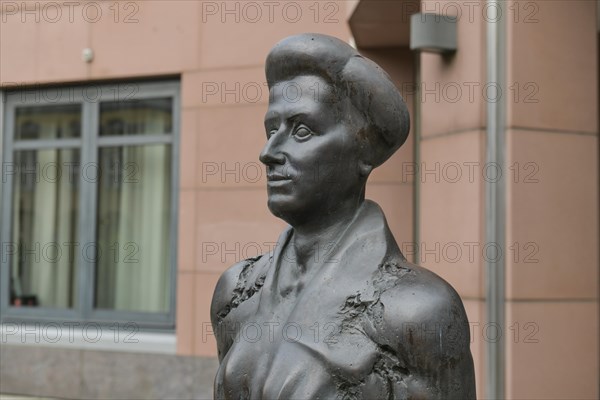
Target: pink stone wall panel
{"x":552,"y":72}
{"x":552,"y":350}
{"x":451,"y":213}
{"x":552,"y":210}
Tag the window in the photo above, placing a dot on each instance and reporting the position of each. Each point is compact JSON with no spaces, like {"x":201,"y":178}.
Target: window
{"x":89,"y":194}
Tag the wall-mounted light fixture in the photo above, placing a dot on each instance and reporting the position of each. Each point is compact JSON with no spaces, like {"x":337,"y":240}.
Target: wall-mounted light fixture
{"x":87,"y":55}
{"x":433,"y":33}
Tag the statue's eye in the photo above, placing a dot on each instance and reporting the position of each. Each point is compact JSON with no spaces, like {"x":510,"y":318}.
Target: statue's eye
{"x":302,"y":132}
{"x":271,"y":133}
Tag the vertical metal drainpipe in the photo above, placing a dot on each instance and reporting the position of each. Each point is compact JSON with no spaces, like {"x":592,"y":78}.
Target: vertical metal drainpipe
{"x":495,"y":191}
{"x":416,"y":128}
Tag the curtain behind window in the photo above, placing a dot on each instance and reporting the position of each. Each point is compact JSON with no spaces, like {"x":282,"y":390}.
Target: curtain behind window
{"x":134,"y":202}
{"x":45,"y":209}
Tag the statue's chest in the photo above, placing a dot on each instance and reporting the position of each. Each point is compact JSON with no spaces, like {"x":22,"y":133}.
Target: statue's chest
{"x":283,"y":338}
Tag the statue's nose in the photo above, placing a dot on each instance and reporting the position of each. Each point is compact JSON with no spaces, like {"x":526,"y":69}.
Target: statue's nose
{"x":271,"y":153}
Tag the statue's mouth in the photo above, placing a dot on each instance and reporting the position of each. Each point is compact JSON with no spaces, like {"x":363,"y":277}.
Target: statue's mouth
{"x":278,"y":179}
{"x":273,"y":177}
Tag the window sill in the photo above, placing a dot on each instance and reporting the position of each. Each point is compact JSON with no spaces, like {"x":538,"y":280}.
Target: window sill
{"x":90,"y":337}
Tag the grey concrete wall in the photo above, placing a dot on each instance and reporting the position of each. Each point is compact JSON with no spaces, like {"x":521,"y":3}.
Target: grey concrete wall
{"x":88,"y":374}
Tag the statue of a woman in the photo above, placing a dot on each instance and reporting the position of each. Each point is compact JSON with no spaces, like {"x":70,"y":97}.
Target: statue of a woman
{"x":335,"y":310}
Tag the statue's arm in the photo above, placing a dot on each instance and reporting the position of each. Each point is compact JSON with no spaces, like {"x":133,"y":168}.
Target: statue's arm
{"x":427,"y":327}
{"x":222,"y":297}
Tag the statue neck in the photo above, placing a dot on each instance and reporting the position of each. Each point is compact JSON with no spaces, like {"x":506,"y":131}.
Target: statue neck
{"x":314,"y":240}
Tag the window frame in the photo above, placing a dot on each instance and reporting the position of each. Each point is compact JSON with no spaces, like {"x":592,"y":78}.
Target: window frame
{"x":89,"y":145}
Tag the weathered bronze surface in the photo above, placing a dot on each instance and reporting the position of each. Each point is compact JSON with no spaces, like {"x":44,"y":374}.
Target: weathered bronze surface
{"x":335,"y":310}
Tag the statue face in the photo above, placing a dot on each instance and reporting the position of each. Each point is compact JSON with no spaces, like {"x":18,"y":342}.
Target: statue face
{"x":311,"y":152}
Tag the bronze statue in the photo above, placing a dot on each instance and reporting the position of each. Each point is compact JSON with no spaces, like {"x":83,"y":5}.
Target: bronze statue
{"x":335,"y":311}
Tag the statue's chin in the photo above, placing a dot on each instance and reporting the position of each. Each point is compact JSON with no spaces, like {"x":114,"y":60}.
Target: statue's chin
{"x":280,"y":210}
{"x":287,"y":211}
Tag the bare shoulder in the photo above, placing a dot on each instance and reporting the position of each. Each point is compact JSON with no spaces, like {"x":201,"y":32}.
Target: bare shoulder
{"x":423,"y":297}
{"x":425,"y":324}
{"x":224,"y":289}
{"x":238,"y":283}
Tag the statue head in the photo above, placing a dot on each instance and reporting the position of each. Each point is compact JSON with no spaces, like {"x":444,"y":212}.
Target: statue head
{"x":333,"y":116}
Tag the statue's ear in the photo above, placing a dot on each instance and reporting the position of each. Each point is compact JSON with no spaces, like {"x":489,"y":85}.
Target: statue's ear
{"x":364,"y":168}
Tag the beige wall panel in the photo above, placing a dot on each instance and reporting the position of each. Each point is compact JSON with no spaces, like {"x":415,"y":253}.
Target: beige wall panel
{"x":233,"y":225}
{"x":244,"y":86}
{"x":43,"y":44}
{"x":204,"y":340}
{"x":60,"y":45}
{"x":229,"y":142}
{"x":453,"y":87}
{"x":236,"y":33}
{"x":396,"y":201}
{"x":476,"y":314}
{"x":146,"y":38}
{"x":186,"y":310}
{"x":399,"y":168}
{"x":552,"y":212}
{"x":186,"y":238}
{"x":451,"y":210}
{"x":188,"y":148}
{"x":23,"y":53}
{"x":552,"y":350}
{"x":552,"y":48}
